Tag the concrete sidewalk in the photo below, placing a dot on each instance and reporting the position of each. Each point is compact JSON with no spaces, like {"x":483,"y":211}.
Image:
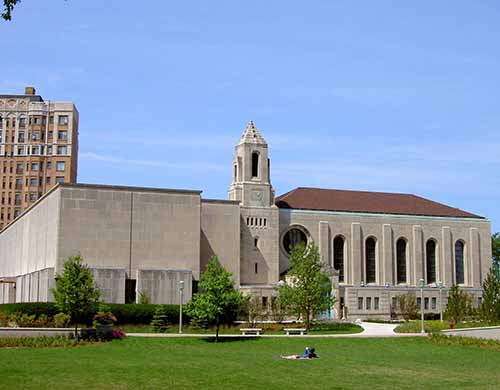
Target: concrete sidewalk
{"x":371,"y":330}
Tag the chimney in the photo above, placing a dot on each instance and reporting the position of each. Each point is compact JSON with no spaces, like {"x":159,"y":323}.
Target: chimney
{"x":29,"y":91}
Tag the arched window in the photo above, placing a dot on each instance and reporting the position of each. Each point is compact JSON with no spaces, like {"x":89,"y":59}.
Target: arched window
{"x":401,"y":261}
{"x":459,"y":262}
{"x":370,"y":246}
{"x":430,"y":261}
{"x":292,"y":238}
{"x":338,"y":256}
{"x":255,"y":164}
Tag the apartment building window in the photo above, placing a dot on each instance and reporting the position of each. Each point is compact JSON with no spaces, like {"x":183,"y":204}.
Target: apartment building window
{"x":19,"y":183}
{"x":20,"y":151}
{"x":59,"y":179}
{"x":49,"y":150}
{"x":16,"y":213}
{"x":62,"y":150}
{"x":47,"y":180}
{"x":35,"y":150}
{"x":35,"y":136}
{"x":63,"y":120}
{"x":35,"y":166}
{"x":60,"y":166}
{"x":51,"y":119}
{"x":51,"y":133}
{"x":33,"y":196}
{"x":49,"y":165}
{"x":34,"y":181}
{"x":17,"y":199}
{"x":22,"y":122}
{"x":62,"y":135}
{"x":19,"y":168}
{"x":20,"y":137}
{"x":36,"y":120}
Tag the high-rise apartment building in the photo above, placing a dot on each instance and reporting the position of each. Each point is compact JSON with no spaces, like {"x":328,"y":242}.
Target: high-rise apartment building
{"x":38,"y":148}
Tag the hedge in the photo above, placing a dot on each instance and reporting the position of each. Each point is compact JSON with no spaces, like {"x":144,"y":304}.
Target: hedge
{"x":125,"y":313}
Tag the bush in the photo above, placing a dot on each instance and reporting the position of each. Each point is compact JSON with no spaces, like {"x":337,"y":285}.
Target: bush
{"x":38,"y":342}
{"x":459,"y":305}
{"x":23,"y":320}
{"x":407,"y":305}
{"x":129,"y":313}
{"x":159,"y":324}
{"x":32,"y":308}
{"x":61,"y":320}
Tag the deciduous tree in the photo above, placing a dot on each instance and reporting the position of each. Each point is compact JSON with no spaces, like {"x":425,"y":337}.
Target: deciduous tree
{"x":218,"y":301}
{"x":75,"y":293}
{"x":489,"y":310}
{"x":307,"y":290}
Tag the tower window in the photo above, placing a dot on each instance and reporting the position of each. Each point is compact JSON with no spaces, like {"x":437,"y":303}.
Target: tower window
{"x":255,"y":164}
{"x":256,"y":242}
{"x":256,"y":268}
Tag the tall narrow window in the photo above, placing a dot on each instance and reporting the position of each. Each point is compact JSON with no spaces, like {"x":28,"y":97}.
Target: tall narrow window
{"x":235,"y":178}
{"x":430,"y":261}
{"x":401,"y":260}
{"x":255,"y":164}
{"x":370,"y":245}
{"x":459,"y":262}
{"x":338,"y":256}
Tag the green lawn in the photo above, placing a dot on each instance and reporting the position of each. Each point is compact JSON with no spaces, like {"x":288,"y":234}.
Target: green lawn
{"x":136,"y":363}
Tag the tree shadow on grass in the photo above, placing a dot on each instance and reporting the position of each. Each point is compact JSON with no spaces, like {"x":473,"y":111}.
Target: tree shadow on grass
{"x":223,"y":339}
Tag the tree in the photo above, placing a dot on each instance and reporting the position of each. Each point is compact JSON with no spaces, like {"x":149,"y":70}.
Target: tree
{"x":489,"y":310}
{"x":495,"y":248}
{"x":459,"y":305}
{"x":308,"y":289}
{"x":218,"y":301}
{"x":407,"y":306}
{"x":75,"y":293}
{"x":159,"y":324}
{"x":8,"y":6}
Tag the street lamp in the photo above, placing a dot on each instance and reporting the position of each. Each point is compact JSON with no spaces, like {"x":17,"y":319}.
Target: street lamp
{"x":421,"y":283}
{"x":181,"y":292}
{"x":440,"y":286}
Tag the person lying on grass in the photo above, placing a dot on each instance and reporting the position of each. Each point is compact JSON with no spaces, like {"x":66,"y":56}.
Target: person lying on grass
{"x":308,"y":354}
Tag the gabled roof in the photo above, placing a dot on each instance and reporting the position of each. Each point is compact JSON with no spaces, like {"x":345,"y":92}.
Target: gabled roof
{"x":368,"y":202}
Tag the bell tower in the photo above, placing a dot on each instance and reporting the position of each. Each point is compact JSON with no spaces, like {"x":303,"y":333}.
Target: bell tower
{"x":251,"y":183}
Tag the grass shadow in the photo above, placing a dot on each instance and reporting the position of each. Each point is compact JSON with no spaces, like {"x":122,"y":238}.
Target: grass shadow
{"x":223,"y":339}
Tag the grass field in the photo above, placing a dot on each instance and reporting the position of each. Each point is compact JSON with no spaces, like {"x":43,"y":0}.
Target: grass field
{"x":136,"y":363}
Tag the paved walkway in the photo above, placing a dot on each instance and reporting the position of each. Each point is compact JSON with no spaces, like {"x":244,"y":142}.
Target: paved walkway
{"x":370,"y":330}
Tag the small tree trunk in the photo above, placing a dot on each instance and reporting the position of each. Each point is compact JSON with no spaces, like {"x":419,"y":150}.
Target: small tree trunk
{"x":76,"y":332}
{"x":217,"y":331}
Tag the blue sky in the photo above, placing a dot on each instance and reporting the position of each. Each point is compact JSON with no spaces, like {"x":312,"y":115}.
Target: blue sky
{"x":384,"y":96}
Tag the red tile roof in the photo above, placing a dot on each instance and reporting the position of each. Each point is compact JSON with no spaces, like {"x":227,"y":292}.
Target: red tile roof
{"x":367,"y":202}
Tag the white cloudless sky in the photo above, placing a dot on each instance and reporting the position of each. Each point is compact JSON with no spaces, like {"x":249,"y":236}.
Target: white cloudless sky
{"x":369,"y":95}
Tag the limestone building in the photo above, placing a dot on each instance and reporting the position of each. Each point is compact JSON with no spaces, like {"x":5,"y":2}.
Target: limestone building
{"x":38,"y":149}
{"x":145,"y":240}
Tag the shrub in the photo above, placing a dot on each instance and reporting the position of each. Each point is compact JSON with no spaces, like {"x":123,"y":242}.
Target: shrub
{"x":159,"y":323}
{"x":38,"y":342}
{"x":23,"y":320}
{"x":32,"y":308}
{"x":459,"y":305}
{"x":61,"y":320}
{"x":407,"y":305}
{"x":129,"y":313}
{"x":143,"y":298}
{"x":43,"y":321}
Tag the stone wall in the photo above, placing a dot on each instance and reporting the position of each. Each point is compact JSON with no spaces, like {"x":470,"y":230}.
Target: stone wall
{"x":35,"y":286}
{"x":220,"y":235}
{"x":111,"y":283}
{"x":355,"y":228}
{"x":161,"y":286}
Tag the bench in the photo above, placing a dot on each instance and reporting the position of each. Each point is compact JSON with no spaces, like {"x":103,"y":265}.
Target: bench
{"x":300,"y":331}
{"x":251,"y":331}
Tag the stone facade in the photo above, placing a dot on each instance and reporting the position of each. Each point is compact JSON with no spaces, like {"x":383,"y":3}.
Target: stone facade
{"x":146,"y":241}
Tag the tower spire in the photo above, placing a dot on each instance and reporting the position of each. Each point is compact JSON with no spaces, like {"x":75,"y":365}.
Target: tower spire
{"x":251,"y":135}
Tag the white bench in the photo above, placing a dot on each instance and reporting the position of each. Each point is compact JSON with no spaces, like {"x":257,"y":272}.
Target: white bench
{"x":300,"y":331}
{"x":250,"y":331}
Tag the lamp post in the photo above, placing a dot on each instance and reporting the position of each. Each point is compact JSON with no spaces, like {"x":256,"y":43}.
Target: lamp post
{"x":440,"y":286}
{"x":181,"y":292}
{"x":421,"y":285}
